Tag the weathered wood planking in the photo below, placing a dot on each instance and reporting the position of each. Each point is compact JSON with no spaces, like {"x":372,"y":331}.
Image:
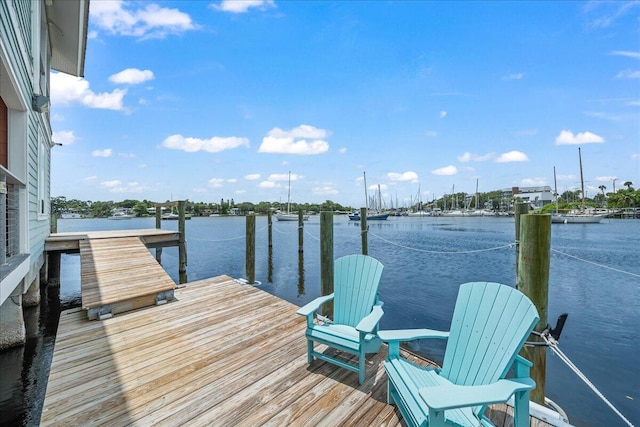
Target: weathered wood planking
{"x":151,"y":237}
{"x":220,"y":354}
{"x":119,"y":270}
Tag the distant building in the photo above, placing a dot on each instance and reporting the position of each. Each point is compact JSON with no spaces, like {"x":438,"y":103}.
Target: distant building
{"x":36,"y":36}
{"x":537,"y":197}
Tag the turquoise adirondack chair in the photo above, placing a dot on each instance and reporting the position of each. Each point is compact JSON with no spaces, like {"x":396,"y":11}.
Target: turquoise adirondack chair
{"x":490,"y":325}
{"x":356,"y":309}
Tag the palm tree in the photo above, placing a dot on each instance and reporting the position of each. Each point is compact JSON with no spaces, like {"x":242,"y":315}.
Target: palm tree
{"x":602,"y":188}
{"x":628,"y":184}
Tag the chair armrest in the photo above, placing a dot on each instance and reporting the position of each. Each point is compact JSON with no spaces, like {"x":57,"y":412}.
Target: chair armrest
{"x":410,"y":334}
{"x":369,"y":322}
{"x":450,"y":396}
{"x":311,"y":307}
{"x":394,"y":337}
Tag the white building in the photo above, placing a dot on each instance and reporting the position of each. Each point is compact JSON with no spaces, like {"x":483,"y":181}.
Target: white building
{"x":35,"y":37}
{"x":537,"y":197}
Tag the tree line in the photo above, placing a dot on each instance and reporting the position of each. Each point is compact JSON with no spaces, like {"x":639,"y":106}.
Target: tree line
{"x":622,"y":198}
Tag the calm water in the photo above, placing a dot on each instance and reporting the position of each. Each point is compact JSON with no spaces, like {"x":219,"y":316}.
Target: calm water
{"x":419,"y":287}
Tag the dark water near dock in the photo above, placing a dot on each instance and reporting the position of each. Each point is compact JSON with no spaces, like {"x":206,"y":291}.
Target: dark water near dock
{"x":425,"y":259}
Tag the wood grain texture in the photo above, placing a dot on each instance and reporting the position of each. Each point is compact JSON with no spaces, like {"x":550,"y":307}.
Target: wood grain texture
{"x":220,"y":354}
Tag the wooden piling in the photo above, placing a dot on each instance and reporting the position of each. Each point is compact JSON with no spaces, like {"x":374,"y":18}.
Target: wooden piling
{"x":182,"y":246}
{"x":158,"y":227}
{"x":53,"y":258}
{"x":300,"y":231}
{"x":250,"y":254}
{"x":519,"y":209}
{"x":270,"y":230}
{"x":326,"y":259}
{"x":364,"y":231}
{"x":533,"y":281}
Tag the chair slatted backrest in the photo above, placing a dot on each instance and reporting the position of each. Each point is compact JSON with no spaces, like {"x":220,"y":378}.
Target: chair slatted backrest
{"x":490,"y":324}
{"x":355,"y":282}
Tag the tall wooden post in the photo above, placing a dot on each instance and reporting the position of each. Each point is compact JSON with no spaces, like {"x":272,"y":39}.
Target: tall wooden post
{"x":533,"y":281}
{"x":250,"y":254}
{"x":364,"y":231}
{"x":182,"y":246}
{"x":53,"y":258}
{"x":270,"y":230}
{"x":158,"y":226}
{"x":300,"y":231}
{"x":519,"y":209}
{"x":270,"y":256}
{"x":326,"y":259}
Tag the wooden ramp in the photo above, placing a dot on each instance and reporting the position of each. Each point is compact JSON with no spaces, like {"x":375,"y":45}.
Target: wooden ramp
{"x":120,"y":274}
{"x":221,"y":354}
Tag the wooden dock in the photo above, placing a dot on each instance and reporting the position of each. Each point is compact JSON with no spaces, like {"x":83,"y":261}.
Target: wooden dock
{"x":221,"y":353}
{"x":118,"y":273}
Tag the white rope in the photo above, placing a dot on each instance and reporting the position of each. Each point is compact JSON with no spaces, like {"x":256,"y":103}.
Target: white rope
{"x":226,"y":240}
{"x":510,"y":245}
{"x":595,"y":263}
{"x":553,"y":345}
{"x":312,"y":236}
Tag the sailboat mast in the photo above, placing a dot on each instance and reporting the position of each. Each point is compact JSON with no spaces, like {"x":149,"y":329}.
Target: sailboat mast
{"x":555,"y":185}
{"x":581,"y":179}
{"x":366,"y":196}
{"x":289,"y":195}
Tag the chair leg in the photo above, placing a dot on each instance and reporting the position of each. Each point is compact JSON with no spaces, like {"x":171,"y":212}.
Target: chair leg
{"x":309,"y":351}
{"x":521,"y":409}
{"x":390,"y":399}
{"x":361,"y":368}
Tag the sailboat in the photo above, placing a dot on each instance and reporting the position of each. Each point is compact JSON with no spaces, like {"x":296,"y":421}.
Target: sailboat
{"x":371,"y":216}
{"x":581,"y":217}
{"x":289,"y":216}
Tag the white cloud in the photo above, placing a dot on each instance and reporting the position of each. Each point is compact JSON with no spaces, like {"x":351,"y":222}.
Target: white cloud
{"x":199,"y":190}
{"x":252,"y":177}
{"x":342,"y":150}
{"x":443,"y":114}
{"x":470,"y":157}
{"x":533,"y":182}
{"x":216,"y":182}
{"x":628,"y":54}
{"x":628,"y":74}
{"x":64,"y":137}
{"x":127,"y":155}
{"x":374,"y":187}
{"x":111,"y":184}
{"x":405,"y":176}
{"x":132,"y":76}
{"x":512,"y":156}
{"x":127,"y":19}
{"x":242,"y":6}
{"x":445,"y":171}
{"x":635,"y":156}
{"x":240,"y":191}
{"x":267,"y":184}
{"x":102,"y":153}
{"x":90,"y":178}
{"x":130,"y":187}
{"x":303,"y":140}
{"x":431,"y":133}
{"x":211,"y":145}
{"x":568,"y":138}
{"x":67,"y":90}
{"x":324,"y":191}
{"x":605,"y":178}
{"x":514,"y":76}
{"x":279,"y":177}
{"x":232,"y":180}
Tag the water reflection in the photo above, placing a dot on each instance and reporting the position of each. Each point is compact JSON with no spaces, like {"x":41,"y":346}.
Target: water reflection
{"x":300,"y":273}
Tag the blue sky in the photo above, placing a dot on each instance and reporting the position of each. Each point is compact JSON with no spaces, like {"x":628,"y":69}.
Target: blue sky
{"x":207,"y":100}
